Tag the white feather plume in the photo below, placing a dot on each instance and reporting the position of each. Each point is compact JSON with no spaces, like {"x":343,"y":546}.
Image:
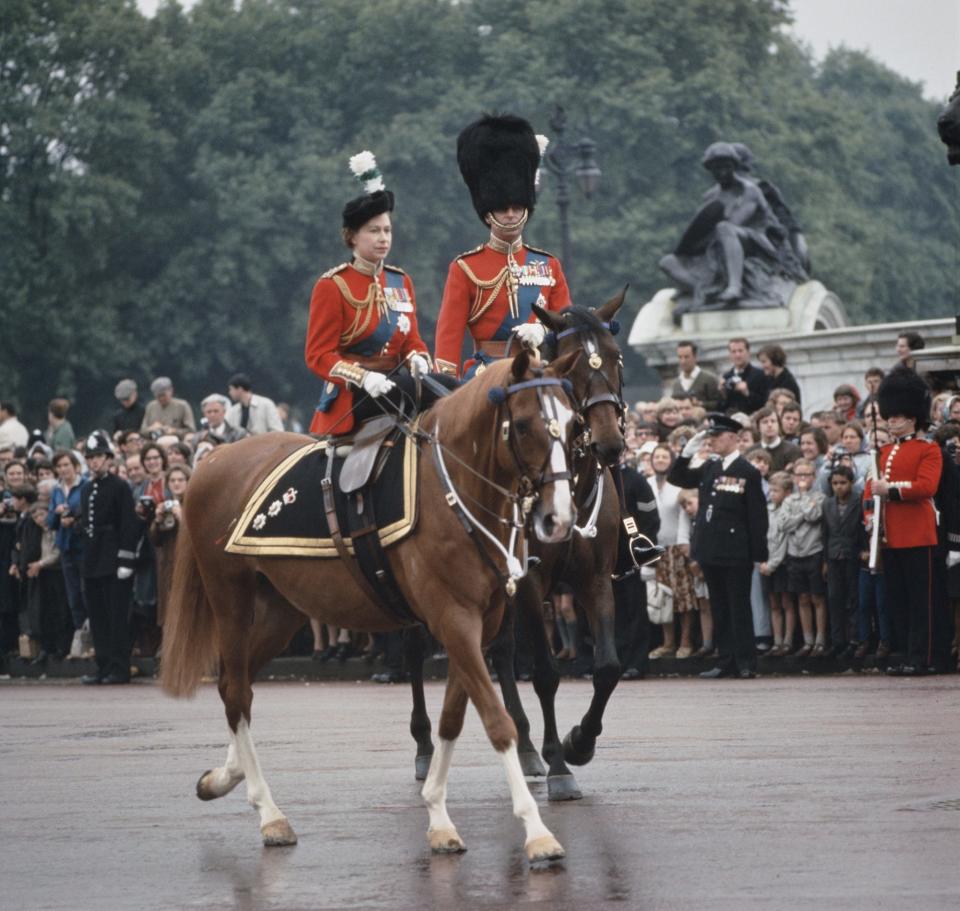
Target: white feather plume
{"x":542,"y":142}
{"x":365,"y":163}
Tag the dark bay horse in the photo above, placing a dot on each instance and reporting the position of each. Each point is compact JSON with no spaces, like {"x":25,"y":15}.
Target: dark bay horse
{"x":585,"y":562}
{"x":504,"y":441}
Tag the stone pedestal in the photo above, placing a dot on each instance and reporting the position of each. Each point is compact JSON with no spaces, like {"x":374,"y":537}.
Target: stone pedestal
{"x":822,"y":350}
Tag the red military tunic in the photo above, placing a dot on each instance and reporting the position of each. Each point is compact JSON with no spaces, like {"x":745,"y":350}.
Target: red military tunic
{"x":481,"y":294}
{"x":912,"y":468}
{"x":375,"y":316}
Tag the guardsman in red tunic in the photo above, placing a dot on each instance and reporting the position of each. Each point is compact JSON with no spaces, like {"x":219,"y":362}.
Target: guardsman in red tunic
{"x":909,"y":474}
{"x":362,"y":337}
{"x":491,"y":290}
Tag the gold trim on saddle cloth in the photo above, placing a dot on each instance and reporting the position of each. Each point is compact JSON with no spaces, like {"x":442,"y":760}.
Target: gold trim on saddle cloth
{"x":240,"y":543}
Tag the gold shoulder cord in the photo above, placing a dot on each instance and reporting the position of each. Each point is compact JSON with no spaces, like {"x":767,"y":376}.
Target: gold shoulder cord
{"x":364,"y":312}
{"x":505,"y":276}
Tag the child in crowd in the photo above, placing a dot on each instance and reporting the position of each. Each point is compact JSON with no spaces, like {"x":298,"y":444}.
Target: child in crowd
{"x":871,"y":600}
{"x":802,"y":512}
{"x":689,"y":501}
{"x":842,"y":534}
{"x":46,"y":593}
{"x":783,"y":614}
{"x":761,"y":460}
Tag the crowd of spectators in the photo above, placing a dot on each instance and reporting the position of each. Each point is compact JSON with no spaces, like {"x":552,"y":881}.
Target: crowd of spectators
{"x":813,"y":597}
{"x":814,"y":467}
{"x":43,"y":609}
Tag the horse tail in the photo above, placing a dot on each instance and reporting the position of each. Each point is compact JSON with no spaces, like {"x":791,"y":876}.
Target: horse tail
{"x":190,"y":628}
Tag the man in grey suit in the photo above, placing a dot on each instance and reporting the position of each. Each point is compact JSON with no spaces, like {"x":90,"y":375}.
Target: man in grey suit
{"x":693,"y":381}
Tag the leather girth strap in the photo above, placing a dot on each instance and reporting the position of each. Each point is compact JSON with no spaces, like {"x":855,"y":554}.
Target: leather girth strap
{"x":370,"y":569}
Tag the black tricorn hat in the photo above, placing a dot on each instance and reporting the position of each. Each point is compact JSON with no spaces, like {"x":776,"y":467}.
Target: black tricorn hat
{"x":498,"y":157}
{"x":359,"y":211}
{"x":902,"y":391}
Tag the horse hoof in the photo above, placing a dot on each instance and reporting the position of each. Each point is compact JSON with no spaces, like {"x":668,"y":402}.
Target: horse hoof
{"x":204,"y":791}
{"x":421,"y":765}
{"x":573,"y":754}
{"x":278,"y":834}
{"x":531,"y":764}
{"x":562,"y":787}
{"x":544,"y":848}
{"x":445,"y":841}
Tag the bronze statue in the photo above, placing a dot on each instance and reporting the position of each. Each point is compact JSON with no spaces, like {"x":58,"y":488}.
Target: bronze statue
{"x":948,"y":125}
{"x":735,"y":252}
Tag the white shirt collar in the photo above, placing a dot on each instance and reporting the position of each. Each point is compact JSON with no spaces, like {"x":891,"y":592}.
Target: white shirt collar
{"x":687,"y":381}
{"x":772,"y":445}
{"x":730,"y":458}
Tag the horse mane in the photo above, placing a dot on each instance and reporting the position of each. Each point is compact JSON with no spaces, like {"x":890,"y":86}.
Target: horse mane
{"x":469,"y":403}
{"x":575,"y":317}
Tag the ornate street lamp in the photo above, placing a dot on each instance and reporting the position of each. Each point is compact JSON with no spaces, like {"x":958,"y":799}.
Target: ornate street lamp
{"x":564,"y":159}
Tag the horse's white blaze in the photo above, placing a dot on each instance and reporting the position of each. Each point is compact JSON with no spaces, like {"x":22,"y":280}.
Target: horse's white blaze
{"x":434,"y":790}
{"x":524,"y":806}
{"x":563,"y":510}
{"x":258,"y":791}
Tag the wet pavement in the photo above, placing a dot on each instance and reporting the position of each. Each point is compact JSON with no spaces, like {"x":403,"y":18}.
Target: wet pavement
{"x":819,"y":793}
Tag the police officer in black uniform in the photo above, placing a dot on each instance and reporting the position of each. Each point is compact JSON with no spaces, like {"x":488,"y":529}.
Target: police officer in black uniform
{"x":729,"y":538}
{"x":109,"y":529}
{"x":629,"y":591}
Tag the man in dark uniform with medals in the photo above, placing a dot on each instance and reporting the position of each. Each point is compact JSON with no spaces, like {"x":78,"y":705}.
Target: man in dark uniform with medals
{"x":910,"y":469}
{"x":729,"y":538}
{"x":109,"y":529}
{"x":491,"y":289}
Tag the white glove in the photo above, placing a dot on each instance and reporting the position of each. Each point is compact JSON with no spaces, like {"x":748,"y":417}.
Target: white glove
{"x":694,"y":445}
{"x":376,"y":384}
{"x":648,"y":573}
{"x":419,"y":365}
{"x":124,"y":572}
{"x":530,"y":334}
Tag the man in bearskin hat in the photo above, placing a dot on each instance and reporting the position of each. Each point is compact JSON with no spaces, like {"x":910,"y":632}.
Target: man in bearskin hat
{"x":109,"y":528}
{"x":491,"y":289}
{"x":909,"y":474}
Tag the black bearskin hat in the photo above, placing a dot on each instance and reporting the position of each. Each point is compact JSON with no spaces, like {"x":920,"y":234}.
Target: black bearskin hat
{"x":359,"y":211}
{"x":902,"y":391}
{"x":498,"y":158}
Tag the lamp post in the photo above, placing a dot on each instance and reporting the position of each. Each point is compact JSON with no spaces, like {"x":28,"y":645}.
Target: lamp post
{"x":563,"y":159}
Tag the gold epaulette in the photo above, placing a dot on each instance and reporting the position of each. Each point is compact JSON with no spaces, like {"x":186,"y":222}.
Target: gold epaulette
{"x":537,"y":250}
{"x":394,"y":268}
{"x":331,"y":272}
{"x":471,"y":252}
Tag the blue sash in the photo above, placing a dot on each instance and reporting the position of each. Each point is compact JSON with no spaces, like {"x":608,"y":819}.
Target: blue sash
{"x":527,"y":294}
{"x":373,"y":343}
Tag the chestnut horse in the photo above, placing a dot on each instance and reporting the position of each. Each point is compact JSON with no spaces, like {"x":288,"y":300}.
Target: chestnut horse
{"x":499,"y":448}
{"x":585,"y":562}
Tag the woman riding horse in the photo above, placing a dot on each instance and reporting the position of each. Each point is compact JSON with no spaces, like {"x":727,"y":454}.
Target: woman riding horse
{"x":362,"y":334}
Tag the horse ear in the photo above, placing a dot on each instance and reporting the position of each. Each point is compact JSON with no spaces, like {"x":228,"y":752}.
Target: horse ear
{"x":564,"y":366}
{"x":552,"y":321}
{"x":521,"y":364}
{"x":609,"y":310}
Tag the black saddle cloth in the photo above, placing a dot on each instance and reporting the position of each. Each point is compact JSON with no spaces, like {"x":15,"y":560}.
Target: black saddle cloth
{"x":285,"y":516}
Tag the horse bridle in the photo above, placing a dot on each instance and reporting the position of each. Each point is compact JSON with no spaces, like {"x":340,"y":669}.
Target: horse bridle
{"x":515,"y":553}
{"x":550,"y":416}
{"x":614,"y":396}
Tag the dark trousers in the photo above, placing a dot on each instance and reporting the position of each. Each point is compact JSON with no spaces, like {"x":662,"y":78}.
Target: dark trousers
{"x":918,"y":626}
{"x":70,"y":564}
{"x":729,"y":588}
{"x":842,"y":596}
{"x":632,"y":625}
{"x":108,"y":603}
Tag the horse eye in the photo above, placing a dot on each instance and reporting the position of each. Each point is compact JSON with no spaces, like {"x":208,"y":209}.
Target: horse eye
{"x":522,"y":426}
